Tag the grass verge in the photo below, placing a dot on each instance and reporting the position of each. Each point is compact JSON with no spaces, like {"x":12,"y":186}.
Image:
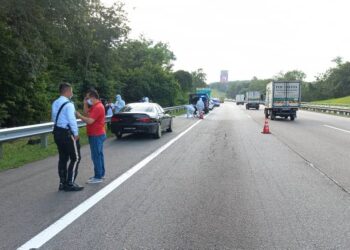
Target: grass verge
{"x":19,"y":153}
{"x":343,"y":101}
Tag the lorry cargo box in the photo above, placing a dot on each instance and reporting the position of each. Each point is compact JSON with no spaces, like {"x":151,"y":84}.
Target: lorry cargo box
{"x":282,"y":99}
{"x":240,"y":99}
{"x":252,"y":99}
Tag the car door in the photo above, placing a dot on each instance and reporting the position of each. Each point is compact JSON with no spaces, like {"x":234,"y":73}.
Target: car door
{"x":162,"y":117}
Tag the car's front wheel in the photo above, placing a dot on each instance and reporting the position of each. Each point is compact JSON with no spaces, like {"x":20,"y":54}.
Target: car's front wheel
{"x":170,"y":129}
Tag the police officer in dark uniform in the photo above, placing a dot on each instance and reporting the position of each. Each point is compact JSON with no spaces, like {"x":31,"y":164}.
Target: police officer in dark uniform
{"x":66,"y":138}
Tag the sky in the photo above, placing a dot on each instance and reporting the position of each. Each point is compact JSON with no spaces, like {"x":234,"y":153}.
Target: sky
{"x":246,"y":37}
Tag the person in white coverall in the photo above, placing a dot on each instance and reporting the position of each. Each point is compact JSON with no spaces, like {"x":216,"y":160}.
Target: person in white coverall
{"x":200,"y":106}
{"x":119,"y":104}
{"x":190,"y":110}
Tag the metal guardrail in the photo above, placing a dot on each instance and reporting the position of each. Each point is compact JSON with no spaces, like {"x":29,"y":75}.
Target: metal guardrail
{"x":338,"y":110}
{"x":175,"y":108}
{"x":44,"y":129}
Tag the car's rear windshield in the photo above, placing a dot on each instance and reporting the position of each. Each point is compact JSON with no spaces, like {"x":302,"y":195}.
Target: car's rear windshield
{"x":139,"y":107}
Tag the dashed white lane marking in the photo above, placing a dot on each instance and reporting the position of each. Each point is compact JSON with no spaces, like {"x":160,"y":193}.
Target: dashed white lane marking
{"x":50,"y":232}
{"x":339,"y":129}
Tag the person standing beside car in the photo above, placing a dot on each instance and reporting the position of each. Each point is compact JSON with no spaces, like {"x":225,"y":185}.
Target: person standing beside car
{"x":66,"y":138}
{"x":119,"y":104}
{"x":96,"y":132}
{"x":200,"y":107}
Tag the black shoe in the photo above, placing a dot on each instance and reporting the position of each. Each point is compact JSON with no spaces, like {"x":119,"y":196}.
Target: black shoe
{"x":61,"y":187}
{"x":73,"y":187}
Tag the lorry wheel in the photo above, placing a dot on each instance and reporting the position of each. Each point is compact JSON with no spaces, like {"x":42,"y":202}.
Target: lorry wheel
{"x":292,"y":117}
{"x":266,"y":114}
{"x":273,"y":116}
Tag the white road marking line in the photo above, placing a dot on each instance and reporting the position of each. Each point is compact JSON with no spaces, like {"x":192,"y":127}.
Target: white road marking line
{"x":51,"y":231}
{"x":343,"y":130}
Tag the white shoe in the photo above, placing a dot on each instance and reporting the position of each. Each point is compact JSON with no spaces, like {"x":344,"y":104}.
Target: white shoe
{"x":94,"y":181}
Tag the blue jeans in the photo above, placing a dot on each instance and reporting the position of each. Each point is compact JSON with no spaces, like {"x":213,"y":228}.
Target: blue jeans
{"x":96,"y":147}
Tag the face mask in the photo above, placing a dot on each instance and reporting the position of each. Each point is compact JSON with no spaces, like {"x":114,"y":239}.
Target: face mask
{"x":89,"y":102}
{"x":71,"y":96}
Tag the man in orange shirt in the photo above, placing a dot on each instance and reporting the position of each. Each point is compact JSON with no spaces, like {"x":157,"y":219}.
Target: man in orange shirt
{"x":96,"y":132}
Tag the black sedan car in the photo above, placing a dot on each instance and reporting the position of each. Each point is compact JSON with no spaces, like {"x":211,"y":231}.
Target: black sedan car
{"x":144,"y":117}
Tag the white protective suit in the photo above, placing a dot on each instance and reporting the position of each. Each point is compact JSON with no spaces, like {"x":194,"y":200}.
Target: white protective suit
{"x":119,"y":104}
{"x":200,"y":106}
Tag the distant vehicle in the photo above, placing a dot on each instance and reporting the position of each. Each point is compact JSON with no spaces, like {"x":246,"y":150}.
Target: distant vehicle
{"x":239,"y":99}
{"x":282,"y":99}
{"x":216,"y":102}
{"x":252,"y":99}
{"x":144,"y":117}
{"x":193,"y":99}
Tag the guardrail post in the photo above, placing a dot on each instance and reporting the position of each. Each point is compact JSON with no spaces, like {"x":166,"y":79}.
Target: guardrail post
{"x":44,"y":140}
{"x":1,"y":152}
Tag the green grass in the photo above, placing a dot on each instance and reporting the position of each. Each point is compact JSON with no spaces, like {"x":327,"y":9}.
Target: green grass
{"x":19,"y":153}
{"x":344,"y":101}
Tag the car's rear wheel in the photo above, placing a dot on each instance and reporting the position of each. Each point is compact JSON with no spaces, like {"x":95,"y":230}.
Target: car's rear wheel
{"x":119,"y":135}
{"x":158,"y":132}
{"x":170,"y":129}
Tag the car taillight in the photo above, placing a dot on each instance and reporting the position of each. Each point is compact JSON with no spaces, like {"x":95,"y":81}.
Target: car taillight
{"x":144,"y":119}
{"x":115,"y":119}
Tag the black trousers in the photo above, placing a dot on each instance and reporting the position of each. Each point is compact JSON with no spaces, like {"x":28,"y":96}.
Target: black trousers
{"x":68,"y":149}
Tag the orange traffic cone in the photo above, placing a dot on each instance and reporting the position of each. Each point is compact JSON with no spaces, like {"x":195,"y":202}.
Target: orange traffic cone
{"x":266,"y":129}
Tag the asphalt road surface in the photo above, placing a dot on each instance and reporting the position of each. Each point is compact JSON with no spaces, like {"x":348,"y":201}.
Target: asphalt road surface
{"x":222,"y":185}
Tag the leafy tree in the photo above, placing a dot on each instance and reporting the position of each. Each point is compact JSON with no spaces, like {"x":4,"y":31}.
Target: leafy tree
{"x":184,"y":78}
{"x":143,"y":68}
{"x":199,"y":78}
{"x":293,"y":75}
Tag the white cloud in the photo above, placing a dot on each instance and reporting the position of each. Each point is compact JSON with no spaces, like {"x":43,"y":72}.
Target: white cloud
{"x":247,"y":37}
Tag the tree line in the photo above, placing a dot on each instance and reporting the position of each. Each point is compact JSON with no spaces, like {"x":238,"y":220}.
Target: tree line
{"x":334,"y":83}
{"x":83,"y":42}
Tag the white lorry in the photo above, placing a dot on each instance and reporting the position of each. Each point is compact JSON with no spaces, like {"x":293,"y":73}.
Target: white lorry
{"x":240,"y":99}
{"x":282,"y":99}
{"x":252,"y":99}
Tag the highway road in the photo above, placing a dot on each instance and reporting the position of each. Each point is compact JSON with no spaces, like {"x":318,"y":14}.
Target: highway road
{"x":216,"y":184}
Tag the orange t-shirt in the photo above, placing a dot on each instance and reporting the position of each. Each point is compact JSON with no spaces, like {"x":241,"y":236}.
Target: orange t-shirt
{"x":96,"y":112}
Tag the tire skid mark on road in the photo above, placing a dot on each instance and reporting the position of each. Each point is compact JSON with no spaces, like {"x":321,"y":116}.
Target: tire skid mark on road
{"x":308,"y":162}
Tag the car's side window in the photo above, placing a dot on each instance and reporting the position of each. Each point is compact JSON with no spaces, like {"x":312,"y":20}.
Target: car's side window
{"x":161,"y":110}
{"x":150,"y":109}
